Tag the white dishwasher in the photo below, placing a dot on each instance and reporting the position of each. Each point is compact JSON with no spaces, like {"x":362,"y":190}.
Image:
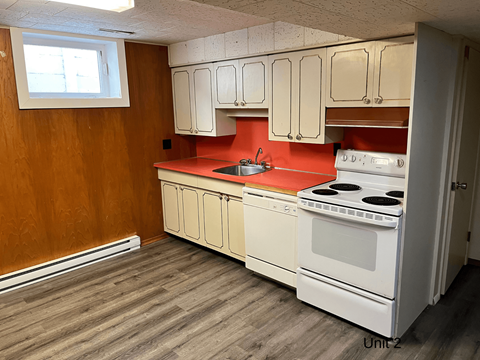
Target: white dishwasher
{"x":271,"y":234}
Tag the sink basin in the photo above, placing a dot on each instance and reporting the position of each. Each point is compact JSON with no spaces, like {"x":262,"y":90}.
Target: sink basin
{"x":241,"y":170}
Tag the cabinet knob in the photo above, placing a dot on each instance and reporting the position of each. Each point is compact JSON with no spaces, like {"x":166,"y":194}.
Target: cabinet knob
{"x":181,"y":188}
{"x":235,"y":103}
{"x":366,"y":101}
{"x":226,"y":198}
{"x":243,"y":103}
{"x":196,"y":131}
{"x":191,"y":130}
{"x":378,"y":100}
{"x":290,"y":137}
{"x":299,"y":137}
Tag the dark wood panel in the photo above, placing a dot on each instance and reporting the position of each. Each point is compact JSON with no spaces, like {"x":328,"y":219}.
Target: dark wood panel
{"x":73,"y":179}
{"x":177,"y":300}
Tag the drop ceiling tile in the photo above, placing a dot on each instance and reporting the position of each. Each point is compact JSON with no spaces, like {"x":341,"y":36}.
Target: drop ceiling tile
{"x":346,"y":6}
{"x":288,"y":36}
{"x":399,"y":13}
{"x":215,"y":47}
{"x":11,"y":15}
{"x":196,"y":50}
{"x":236,"y":43}
{"x":38,"y":7}
{"x":261,"y":38}
{"x":178,"y":53}
{"x":316,"y":37}
{"x":228,"y":4}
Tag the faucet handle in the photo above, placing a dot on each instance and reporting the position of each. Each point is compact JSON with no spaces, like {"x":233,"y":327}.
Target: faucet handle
{"x":263,"y":164}
{"x":243,"y":162}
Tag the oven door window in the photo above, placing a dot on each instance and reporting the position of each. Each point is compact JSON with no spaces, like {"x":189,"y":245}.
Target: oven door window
{"x":347,"y":244}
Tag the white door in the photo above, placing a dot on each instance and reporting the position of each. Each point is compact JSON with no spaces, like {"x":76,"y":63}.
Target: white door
{"x":393,"y":72}
{"x":226,"y":84}
{"x":281,"y":94}
{"x":311,"y":107}
{"x":171,"y":209}
{"x":253,"y":91}
{"x":350,"y":71}
{"x":182,"y":100}
{"x":202,"y":99}
{"x":212,"y":219}
{"x":191,"y":213}
{"x":464,"y":171}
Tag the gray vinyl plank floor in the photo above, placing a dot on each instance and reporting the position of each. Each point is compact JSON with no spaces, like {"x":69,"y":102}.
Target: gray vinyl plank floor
{"x":176,"y":300}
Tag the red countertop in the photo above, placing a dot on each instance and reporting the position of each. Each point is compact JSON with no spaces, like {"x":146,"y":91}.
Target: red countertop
{"x":276,"y":178}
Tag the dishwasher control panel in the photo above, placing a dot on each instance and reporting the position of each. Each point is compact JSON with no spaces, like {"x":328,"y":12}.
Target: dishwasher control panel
{"x":285,"y":204}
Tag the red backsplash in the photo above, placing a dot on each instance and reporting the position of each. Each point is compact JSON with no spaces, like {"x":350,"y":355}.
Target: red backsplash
{"x":252,"y":133}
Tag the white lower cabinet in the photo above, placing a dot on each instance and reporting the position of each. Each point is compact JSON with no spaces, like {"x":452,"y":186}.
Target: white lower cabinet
{"x":209,"y":218}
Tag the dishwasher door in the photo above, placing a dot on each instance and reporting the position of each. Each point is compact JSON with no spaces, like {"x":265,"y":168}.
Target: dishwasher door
{"x":271,"y":234}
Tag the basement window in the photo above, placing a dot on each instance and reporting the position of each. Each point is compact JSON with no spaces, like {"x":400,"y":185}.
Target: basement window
{"x":56,"y":70}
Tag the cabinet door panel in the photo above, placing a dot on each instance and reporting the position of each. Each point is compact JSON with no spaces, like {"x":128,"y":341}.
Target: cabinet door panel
{"x":191,"y":211}
{"x":212,"y":219}
{"x":235,"y":228}
{"x":350,"y":78}
{"x":202,"y":94}
{"x":181,"y":100}
{"x":254,"y":82}
{"x":281,"y":87}
{"x":171,"y":208}
{"x":393,"y":73}
{"x":311,"y":108}
{"x":226,"y":84}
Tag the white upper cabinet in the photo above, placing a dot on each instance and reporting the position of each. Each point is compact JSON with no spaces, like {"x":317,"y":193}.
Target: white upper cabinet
{"x":241,"y":83}
{"x":376,"y":73}
{"x":297,"y":98}
{"x":193,"y":105}
{"x":393,"y":72}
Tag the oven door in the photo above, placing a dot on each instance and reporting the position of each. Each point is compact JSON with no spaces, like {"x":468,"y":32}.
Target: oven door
{"x":360,"y":249}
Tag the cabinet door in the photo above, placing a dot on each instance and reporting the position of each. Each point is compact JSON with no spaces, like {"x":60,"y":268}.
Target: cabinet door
{"x":253,"y":82}
{"x":212,"y":219}
{"x":350,"y":75}
{"x":203,"y":102}
{"x":226,"y":84}
{"x":182,"y":101}
{"x":281,"y":94}
{"x":191,"y":213}
{"x":171,"y":208}
{"x":311,"y":98}
{"x":235,"y":231}
{"x":393,"y":72}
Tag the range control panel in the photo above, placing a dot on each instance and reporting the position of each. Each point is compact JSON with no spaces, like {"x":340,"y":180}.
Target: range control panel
{"x":371,"y":162}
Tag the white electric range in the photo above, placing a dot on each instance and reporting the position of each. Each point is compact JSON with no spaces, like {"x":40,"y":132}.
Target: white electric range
{"x":348,"y":239}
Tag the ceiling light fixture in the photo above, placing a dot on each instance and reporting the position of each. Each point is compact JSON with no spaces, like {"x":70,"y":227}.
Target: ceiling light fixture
{"x":111,"y":5}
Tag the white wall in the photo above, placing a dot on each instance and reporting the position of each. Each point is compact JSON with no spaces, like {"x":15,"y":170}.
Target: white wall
{"x":254,"y":40}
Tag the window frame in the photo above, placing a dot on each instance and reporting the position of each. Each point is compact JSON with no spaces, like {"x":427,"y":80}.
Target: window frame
{"x":114,"y":86}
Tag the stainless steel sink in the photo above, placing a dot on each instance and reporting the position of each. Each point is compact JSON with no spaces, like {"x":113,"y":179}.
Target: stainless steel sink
{"x":241,"y":170}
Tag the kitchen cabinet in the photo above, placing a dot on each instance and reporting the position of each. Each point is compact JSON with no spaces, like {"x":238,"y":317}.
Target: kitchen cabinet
{"x":241,"y":83}
{"x":210,"y":218}
{"x":297,"y":98}
{"x":194,"y":111}
{"x":370,"y":74}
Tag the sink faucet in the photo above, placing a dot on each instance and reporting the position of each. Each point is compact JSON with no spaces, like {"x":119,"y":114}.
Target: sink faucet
{"x":260,"y":151}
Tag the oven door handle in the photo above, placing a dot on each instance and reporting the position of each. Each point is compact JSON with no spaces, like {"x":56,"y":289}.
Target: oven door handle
{"x":389,"y":224}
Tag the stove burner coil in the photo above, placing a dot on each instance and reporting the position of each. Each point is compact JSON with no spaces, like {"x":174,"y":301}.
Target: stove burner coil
{"x":345,"y":187}
{"x":325,"y":192}
{"x":397,"y":194}
{"x":380,"y":200}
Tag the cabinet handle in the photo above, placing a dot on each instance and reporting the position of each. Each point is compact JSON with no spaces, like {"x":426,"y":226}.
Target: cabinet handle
{"x":366,"y":101}
{"x":290,"y":137}
{"x":196,"y":131}
{"x":299,"y":137}
{"x":235,"y":103}
{"x":243,"y":103}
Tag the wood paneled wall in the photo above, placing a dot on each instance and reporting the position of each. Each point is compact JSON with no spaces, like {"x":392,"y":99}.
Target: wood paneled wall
{"x":73,"y":179}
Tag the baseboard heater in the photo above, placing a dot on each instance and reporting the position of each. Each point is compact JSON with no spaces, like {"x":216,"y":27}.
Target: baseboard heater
{"x":34,"y":274}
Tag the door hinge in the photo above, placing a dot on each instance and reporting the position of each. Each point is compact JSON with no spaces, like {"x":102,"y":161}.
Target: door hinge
{"x":468,"y":236}
{"x":467,"y":51}
{"x":453,"y":186}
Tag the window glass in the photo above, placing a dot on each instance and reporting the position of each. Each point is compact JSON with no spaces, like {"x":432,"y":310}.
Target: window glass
{"x":62,"y":70}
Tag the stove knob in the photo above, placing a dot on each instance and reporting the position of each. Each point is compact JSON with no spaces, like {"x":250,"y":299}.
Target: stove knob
{"x":344,"y":158}
{"x":353,"y":158}
{"x":399,"y":163}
